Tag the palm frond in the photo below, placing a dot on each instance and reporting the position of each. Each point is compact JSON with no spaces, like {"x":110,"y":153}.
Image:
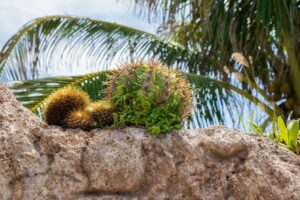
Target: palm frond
{"x":64,"y":45}
{"x":33,"y":93}
{"x":213,"y":98}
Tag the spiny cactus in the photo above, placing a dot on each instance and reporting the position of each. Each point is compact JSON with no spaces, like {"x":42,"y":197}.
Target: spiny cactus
{"x":150,"y":94}
{"x":102,"y":112}
{"x":80,"y":119}
{"x":63,"y":101}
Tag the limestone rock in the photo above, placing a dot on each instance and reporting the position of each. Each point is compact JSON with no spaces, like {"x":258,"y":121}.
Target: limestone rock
{"x":38,"y":161}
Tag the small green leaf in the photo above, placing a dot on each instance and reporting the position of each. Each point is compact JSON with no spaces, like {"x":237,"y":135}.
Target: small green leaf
{"x":272,"y":136}
{"x":293,"y":128}
{"x":256,"y":128}
{"x":283,"y":134}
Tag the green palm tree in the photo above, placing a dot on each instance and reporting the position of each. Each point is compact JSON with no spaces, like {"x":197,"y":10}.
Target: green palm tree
{"x":265,"y":32}
{"x":71,"y":45}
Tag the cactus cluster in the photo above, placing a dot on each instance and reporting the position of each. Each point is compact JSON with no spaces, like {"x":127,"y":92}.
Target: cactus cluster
{"x":151,"y":95}
{"x":80,"y":119}
{"x":102,"y":112}
{"x":146,"y":94}
{"x":60,"y":103}
{"x":70,"y":107}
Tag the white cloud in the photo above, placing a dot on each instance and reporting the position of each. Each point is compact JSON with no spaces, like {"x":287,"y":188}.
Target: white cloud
{"x":15,"y":13}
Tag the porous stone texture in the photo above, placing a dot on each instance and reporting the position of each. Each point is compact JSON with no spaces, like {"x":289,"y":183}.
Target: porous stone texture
{"x":38,"y":161}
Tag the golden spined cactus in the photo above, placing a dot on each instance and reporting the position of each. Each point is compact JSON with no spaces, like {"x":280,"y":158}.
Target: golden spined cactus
{"x":80,"y":119}
{"x":102,"y":112}
{"x":63,"y":101}
{"x":151,"y":95}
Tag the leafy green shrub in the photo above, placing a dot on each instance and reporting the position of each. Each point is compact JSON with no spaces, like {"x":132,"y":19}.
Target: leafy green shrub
{"x":151,"y":95}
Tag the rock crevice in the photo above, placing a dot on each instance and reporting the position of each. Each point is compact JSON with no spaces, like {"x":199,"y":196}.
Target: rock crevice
{"x":38,"y":161}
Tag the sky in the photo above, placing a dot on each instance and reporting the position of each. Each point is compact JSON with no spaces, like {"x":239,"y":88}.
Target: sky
{"x":15,"y":13}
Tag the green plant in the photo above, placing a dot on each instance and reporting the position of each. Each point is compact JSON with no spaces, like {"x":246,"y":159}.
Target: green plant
{"x":286,"y":135}
{"x":102,"y":112}
{"x":151,"y":95}
{"x":63,"y":101}
{"x":266,"y":33}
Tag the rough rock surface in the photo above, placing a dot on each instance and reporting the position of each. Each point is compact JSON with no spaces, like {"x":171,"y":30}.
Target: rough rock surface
{"x":46,"y":162}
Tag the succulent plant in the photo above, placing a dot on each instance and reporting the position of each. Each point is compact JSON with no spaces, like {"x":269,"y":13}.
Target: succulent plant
{"x":151,"y":95}
{"x":80,"y":119}
{"x":102,"y":112}
{"x":62,"y":102}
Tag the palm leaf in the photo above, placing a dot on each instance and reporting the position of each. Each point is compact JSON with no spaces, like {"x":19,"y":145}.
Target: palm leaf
{"x":64,"y":45}
{"x":214,"y":97}
{"x":266,"y":32}
{"x":61,"y":45}
{"x":33,"y":93}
